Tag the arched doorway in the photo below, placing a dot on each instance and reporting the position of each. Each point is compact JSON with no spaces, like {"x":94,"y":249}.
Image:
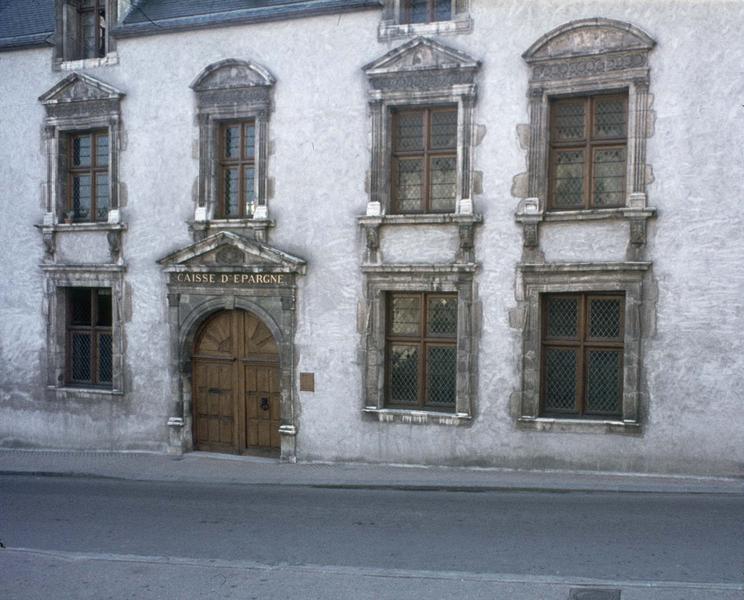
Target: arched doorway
{"x":235,"y":386}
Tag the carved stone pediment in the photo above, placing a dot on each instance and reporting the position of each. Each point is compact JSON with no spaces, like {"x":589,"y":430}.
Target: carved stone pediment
{"x":588,"y":37}
{"x":77,"y":87}
{"x":225,"y":251}
{"x":421,"y":54}
{"x":232,"y":74}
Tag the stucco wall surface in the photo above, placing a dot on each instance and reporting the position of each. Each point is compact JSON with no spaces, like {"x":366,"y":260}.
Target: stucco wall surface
{"x":692,"y":363}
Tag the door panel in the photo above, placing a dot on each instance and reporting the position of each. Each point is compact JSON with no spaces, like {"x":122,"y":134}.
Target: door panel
{"x":236,"y":385}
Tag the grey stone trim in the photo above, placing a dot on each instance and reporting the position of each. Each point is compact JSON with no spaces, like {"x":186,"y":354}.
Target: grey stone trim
{"x":189,"y":306}
{"x":421,"y":72}
{"x":586,"y":57}
{"x":66,"y":38}
{"x":208,"y":18}
{"x":114,"y":233}
{"x":464,"y":222}
{"x":392,"y":28}
{"x":539,"y":279}
{"x":78,"y":103}
{"x":231,"y":89}
{"x":381,"y":279}
{"x":417,"y":417}
{"x":57,"y":278}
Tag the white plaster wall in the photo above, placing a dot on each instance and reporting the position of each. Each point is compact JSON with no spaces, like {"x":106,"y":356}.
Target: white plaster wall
{"x":89,"y":247}
{"x":418,"y":245}
{"x":574,"y":242}
{"x":692,"y":364}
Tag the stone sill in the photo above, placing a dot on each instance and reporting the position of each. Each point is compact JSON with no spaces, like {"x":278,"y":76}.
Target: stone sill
{"x":389,"y":30}
{"x":112,"y":58}
{"x":81,"y":227}
{"x":557,"y":425}
{"x":422,"y":219}
{"x":591,"y":214}
{"x":417,"y":417}
{"x":420,"y":268}
{"x":84,"y":393}
{"x":232,"y":224}
{"x":583,"y":267}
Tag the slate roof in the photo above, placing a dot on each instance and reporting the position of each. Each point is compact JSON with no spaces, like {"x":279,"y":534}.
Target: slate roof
{"x":155,"y":16}
{"x":25,"y":23}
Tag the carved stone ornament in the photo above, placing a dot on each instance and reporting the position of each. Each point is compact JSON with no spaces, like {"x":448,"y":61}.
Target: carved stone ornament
{"x":114,"y":241}
{"x":638,"y":232}
{"x":531,"y":237}
{"x":232,"y":73}
{"x":77,"y":87}
{"x":421,"y":62}
{"x":49,"y":244}
{"x":373,"y":237}
{"x":229,"y":255}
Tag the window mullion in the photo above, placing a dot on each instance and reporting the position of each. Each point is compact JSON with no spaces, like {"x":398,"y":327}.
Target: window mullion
{"x":581,"y":358}
{"x":422,"y":351}
{"x":426,"y":192}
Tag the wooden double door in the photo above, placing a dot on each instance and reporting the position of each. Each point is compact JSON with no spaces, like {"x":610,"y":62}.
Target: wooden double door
{"x":236,"y":395}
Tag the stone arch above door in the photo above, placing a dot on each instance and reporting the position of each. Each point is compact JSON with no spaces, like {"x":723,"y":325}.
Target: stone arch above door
{"x":225,"y":272}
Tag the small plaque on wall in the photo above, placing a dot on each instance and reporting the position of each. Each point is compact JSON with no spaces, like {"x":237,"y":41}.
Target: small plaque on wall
{"x":307,"y":382}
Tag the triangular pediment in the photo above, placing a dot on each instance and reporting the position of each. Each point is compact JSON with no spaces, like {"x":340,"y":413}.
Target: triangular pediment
{"x":588,"y":37}
{"x":77,"y":87}
{"x":229,"y":250}
{"x":420,"y":54}
{"x":231,"y":74}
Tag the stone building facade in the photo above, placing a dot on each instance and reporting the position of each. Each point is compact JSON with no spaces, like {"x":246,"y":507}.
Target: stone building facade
{"x":451,"y":232}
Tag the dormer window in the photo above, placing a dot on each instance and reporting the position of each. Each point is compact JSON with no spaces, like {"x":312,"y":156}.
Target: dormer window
{"x":407,"y":18}
{"x":92,"y":28}
{"x":83,"y":31}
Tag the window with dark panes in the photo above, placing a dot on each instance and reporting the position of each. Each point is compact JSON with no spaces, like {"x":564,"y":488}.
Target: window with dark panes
{"x":424,"y":162}
{"x":89,"y":341}
{"x":237,"y":157}
{"x":582,"y":355}
{"x":426,"y":11}
{"x":588,"y":144}
{"x":92,"y":27}
{"x":88,"y":177}
{"x":421,"y":351}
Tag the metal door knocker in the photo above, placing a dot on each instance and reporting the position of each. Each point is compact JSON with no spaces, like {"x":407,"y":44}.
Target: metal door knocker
{"x":264,"y":403}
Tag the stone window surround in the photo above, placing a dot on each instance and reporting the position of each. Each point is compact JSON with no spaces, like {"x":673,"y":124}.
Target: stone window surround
{"x":61,"y":63}
{"x":420,"y":86}
{"x":58,"y":278}
{"x":583,"y":71}
{"x":391,"y":27}
{"x":539,"y":279}
{"x":231,"y":102}
{"x":73,"y":115}
{"x":381,"y":279}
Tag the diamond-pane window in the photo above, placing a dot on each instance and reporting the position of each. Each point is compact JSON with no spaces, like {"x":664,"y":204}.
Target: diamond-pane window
{"x":421,"y":363}
{"x":588,"y":161}
{"x":582,"y":354}
{"x":88,"y":177}
{"x":89,"y":337}
{"x":424,"y":160}
{"x":237,"y":183}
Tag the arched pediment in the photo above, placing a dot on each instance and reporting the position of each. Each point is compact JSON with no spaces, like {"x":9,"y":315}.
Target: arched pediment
{"x":588,"y":37}
{"x":232,"y":73}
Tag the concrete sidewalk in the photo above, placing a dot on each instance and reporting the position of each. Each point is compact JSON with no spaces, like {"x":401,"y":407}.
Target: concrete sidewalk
{"x":205,"y":467}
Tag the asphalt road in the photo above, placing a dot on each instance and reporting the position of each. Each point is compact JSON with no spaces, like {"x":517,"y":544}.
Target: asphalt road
{"x":97,"y":538}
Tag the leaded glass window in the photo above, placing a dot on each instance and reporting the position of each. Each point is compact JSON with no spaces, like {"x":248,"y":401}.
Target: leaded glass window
{"x":421,"y":351}
{"x":237,"y":182}
{"x":588,"y":142}
{"x":425,"y":160}
{"x":582,"y":355}
{"x":426,"y":11}
{"x":89,"y":337}
{"x":88,"y":189}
